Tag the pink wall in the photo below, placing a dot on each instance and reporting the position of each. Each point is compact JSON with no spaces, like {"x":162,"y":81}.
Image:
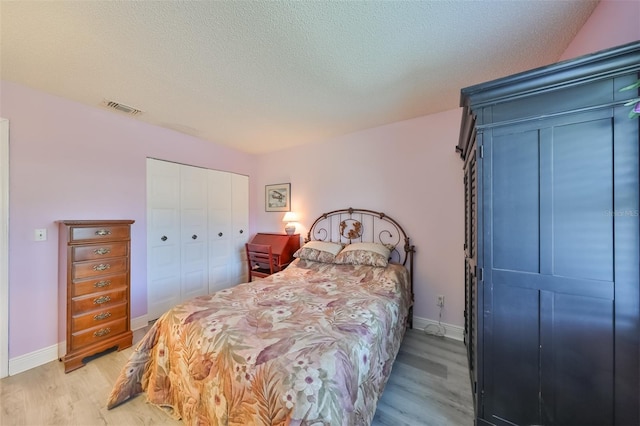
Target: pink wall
{"x":612,"y":23}
{"x":408,"y":170}
{"x":68,"y":161}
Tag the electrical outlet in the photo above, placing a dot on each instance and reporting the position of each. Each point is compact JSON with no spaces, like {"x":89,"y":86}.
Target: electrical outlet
{"x":440,"y":300}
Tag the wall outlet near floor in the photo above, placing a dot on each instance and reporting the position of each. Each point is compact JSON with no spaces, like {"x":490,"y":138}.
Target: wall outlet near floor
{"x":440,"y":300}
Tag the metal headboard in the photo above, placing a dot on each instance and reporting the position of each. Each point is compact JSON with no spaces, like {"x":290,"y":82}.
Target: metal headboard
{"x":362,"y":225}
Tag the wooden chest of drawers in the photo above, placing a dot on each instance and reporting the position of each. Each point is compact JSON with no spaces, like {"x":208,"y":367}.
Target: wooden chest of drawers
{"x":94,"y":288}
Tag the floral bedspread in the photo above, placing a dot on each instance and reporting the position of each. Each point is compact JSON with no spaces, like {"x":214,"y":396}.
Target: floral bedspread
{"x":311,"y":345}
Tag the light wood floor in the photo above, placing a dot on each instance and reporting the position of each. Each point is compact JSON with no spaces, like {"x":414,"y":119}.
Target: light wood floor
{"x":429,"y":385}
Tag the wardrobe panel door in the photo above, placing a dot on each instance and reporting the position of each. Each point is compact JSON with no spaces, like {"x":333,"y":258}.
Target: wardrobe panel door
{"x":577,"y":367}
{"x":582,"y":188}
{"x":515,"y":188}
{"x":511,"y":257}
{"x":513,"y":356}
{"x":578,"y":323}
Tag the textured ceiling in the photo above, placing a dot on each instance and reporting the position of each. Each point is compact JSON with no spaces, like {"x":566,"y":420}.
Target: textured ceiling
{"x":262,"y":76}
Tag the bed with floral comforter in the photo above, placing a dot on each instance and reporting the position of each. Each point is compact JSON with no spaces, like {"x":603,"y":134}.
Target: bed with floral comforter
{"x":313,"y":344}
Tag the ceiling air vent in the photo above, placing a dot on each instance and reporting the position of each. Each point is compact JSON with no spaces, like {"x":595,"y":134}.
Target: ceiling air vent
{"x":121,"y":107}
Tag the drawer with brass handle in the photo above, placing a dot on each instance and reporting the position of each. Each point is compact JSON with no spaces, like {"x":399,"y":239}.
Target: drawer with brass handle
{"x":99,"y":251}
{"x":100,"y":267}
{"x":93,"y":285}
{"x":99,"y":233}
{"x":90,"y":302}
{"x":100,"y":316}
{"x":100,"y":332}
{"x":102,"y":299}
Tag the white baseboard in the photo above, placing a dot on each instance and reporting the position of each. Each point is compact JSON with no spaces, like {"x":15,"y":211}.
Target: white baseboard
{"x":34,"y":359}
{"x":139,"y":322}
{"x":42,"y":356}
{"x":452,"y":331}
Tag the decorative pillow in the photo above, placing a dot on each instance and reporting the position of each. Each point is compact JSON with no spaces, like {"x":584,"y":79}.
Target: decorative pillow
{"x":372,"y":254}
{"x":319,"y":251}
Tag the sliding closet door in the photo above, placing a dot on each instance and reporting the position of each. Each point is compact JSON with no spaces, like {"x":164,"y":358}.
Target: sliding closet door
{"x":220,"y":241}
{"x":193,"y":232}
{"x":163,"y":236}
{"x":197,"y":225}
{"x":561,"y":270}
{"x":240,"y":230}
{"x":177,"y":234}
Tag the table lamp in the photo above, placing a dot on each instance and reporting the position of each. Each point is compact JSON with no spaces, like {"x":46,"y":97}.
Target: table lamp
{"x":290,"y":218}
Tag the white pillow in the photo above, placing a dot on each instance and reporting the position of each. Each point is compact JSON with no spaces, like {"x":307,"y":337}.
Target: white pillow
{"x":373,"y":254}
{"x":319,"y":251}
{"x":374,"y":247}
{"x":333,"y":248}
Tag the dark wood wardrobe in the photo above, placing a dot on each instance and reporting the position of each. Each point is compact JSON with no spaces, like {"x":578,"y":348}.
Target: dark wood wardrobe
{"x":551,"y":173}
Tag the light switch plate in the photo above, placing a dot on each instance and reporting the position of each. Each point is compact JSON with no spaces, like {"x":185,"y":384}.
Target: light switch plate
{"x":40,"y":235}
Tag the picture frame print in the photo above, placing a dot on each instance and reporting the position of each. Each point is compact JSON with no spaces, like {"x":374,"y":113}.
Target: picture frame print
{"x":277,"y":197}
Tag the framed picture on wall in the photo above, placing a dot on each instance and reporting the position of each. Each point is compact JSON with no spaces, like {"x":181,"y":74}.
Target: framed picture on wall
{"x":277,"y":197}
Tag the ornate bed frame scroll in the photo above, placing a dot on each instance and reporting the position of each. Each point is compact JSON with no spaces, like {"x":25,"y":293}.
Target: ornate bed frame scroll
{"x":362,"y":225}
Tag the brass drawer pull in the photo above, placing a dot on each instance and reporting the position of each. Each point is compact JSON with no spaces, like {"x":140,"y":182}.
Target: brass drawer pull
{"x":102,"y":267}
{"x":101,"y":316}
{"x":103,"y":283}
{"x":103,"y":232}
{"x":102,"y":299}
{"x":102,"y":250}
{"x":102,"y":332}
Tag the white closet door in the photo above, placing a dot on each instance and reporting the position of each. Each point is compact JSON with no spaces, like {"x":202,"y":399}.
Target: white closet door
{"x":220,"y":230}
{"x":240,"y":221}
{"x":163,"y":236}
{"x":193,"y":232}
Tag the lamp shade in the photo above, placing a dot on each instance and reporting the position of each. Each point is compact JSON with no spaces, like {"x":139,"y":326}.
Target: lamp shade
{"x":290,"y":217}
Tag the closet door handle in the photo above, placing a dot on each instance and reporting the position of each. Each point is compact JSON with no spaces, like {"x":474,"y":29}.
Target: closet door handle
{"x":194,"y":236}
{"x":219,"y":234}
{"x":241,"y":231}
{"x":164,"y":238}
